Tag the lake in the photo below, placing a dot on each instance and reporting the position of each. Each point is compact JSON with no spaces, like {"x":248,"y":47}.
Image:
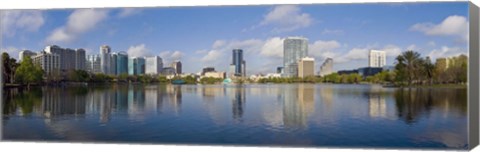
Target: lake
{"x":305,"y":115}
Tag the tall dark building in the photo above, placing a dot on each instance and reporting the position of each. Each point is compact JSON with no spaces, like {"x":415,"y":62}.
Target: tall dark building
{"x":237,"y":61}
{"x":177,"y":65}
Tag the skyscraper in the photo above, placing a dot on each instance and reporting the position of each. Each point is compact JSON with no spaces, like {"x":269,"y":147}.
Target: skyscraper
{"x":48,"y":61}
{"x":80,"y":59}
{"x":306,"y":67}
{"x":377,"y":58}
{"x":93,"y":64}
{"x":294,"y":49}
{"x":26,"y":53}
{"x":237,"y":61}
{"x":113,"y":63}
{"x":67,"y":56}
{"x":136,"y":66}
{"x":326,"y":68}
{"x":122,"y":63}
{"x":154,"y":65}
{"x":105,"y":58}
{"x":177,"y":65}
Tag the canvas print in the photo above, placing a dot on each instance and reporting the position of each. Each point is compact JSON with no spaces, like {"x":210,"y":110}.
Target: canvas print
{"x":376,"y":75}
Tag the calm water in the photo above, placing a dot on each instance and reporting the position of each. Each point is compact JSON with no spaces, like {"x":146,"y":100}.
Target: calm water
{"x":280,"y":115}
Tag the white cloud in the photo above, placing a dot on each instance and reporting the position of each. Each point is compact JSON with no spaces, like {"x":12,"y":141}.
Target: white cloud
{"x":323,"y":49}
{"x":334,"y":32}
{"x":126,"y":12}
{"x":362,"y":53}
{"x":431,"y":43}
{"x":212,"y":55}
{"x":273,"y":47}
{"x":218,"y":43}
{"x":170,"y":56}
{"x":455,"y":25}
{"x":79,"y":22}
{"x":12,"y":52}
{"x":286,"y":18}
{"x":138,"y":51}
{"x":14,"y":20}
{"x":447,"y":52}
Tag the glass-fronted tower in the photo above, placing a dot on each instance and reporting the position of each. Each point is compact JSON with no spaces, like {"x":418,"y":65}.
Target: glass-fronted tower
{"x":105,"y":58}
{"x":122,"y":63}
{"x":294,"y":49}
{"x":237,"y":61}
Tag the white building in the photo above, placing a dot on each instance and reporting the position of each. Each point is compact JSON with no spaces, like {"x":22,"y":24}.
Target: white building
{"x":105,"y":59}
{"x":48,"y":61}
{"x":377,"y":58}
{"x":67,"y":56}
{"x":153,"y":65}
{"x":215,"y":74}
{"x":93,"y":64}
{"x":306,"y":67}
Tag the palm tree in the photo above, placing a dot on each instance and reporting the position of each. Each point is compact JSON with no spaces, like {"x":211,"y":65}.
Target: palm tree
{"x":409,"y":65}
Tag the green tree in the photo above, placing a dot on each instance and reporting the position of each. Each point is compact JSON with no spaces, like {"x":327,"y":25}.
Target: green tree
{"x":408,"y":66}
{"x":9,"y":67}
{"x":28,"y":73}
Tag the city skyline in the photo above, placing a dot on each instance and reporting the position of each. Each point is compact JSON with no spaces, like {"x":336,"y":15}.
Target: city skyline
{"x":259,"y":31}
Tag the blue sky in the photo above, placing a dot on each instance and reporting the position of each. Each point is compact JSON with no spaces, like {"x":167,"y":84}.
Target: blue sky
{"x":205,"y":36}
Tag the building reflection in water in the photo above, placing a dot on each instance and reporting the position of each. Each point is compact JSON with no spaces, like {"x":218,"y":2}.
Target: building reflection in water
{"x":298,"y":104}
{"x":377,"y":106}
{"x":59,"y":101}
{"x":238,"y":101}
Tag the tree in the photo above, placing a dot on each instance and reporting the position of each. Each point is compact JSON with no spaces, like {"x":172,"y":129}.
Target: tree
{"x":408,"y":66}
{"x":9,"y":67}
{"x":428,"y":69}
{"x":29,"y":73}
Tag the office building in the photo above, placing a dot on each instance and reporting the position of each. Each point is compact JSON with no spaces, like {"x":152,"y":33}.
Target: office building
{"x":93,"y":64}
{"x":113,"y":63}
{"x":154,"y":65}
{"x":238,"y":62}
{"x":80,"y":59}
{"x":231,"y":70}
{"x":213,"y":74}
{"x":26,"y":53}
{"x":67,"y":56}
{"x":168,"y":71}
{"x":105,"y":59}
{"x":326,"y":68}
{"x":48,"y":61}
{"x":244,"y":69}
{"x":207,"y":69}
{"x":122,"y":63}
{"x":306,"y":67}
{"x":136,"y":66}
{"x":294,"y":49}
{"x":377,"y":58}
{"x":177,"y":65}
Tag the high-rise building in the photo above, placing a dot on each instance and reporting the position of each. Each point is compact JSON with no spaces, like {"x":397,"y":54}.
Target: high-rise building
{"x":154,"y":65}
{"x":113,"y":63}
{"x":306,"y":67}
{"x":177,"y":65}
{"x":377,"y":58}
{"x":326,"y":68}
{"x":105,"y":58}
{"x":122,"y":63}
{"x":94,"y":64}
{"x":244,"y":69}
{"x":26,"y":53}
{"x":168,"y":71}
{"x":294,"y":49}
{"x":80,"y":59}
{"x":231,"y":71}
{"x":238,"y":62}
{"x":136,"y":66}
{"x":67,"y":56}
{"x":48,"y":61}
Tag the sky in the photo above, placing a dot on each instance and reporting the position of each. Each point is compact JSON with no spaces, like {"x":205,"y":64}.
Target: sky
{"x":205,"y":36}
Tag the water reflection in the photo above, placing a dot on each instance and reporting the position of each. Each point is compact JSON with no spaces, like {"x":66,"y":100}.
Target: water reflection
{"x":310,"y":112}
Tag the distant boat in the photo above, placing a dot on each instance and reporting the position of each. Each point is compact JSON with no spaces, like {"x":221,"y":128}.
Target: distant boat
{"x":178,"y":82}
